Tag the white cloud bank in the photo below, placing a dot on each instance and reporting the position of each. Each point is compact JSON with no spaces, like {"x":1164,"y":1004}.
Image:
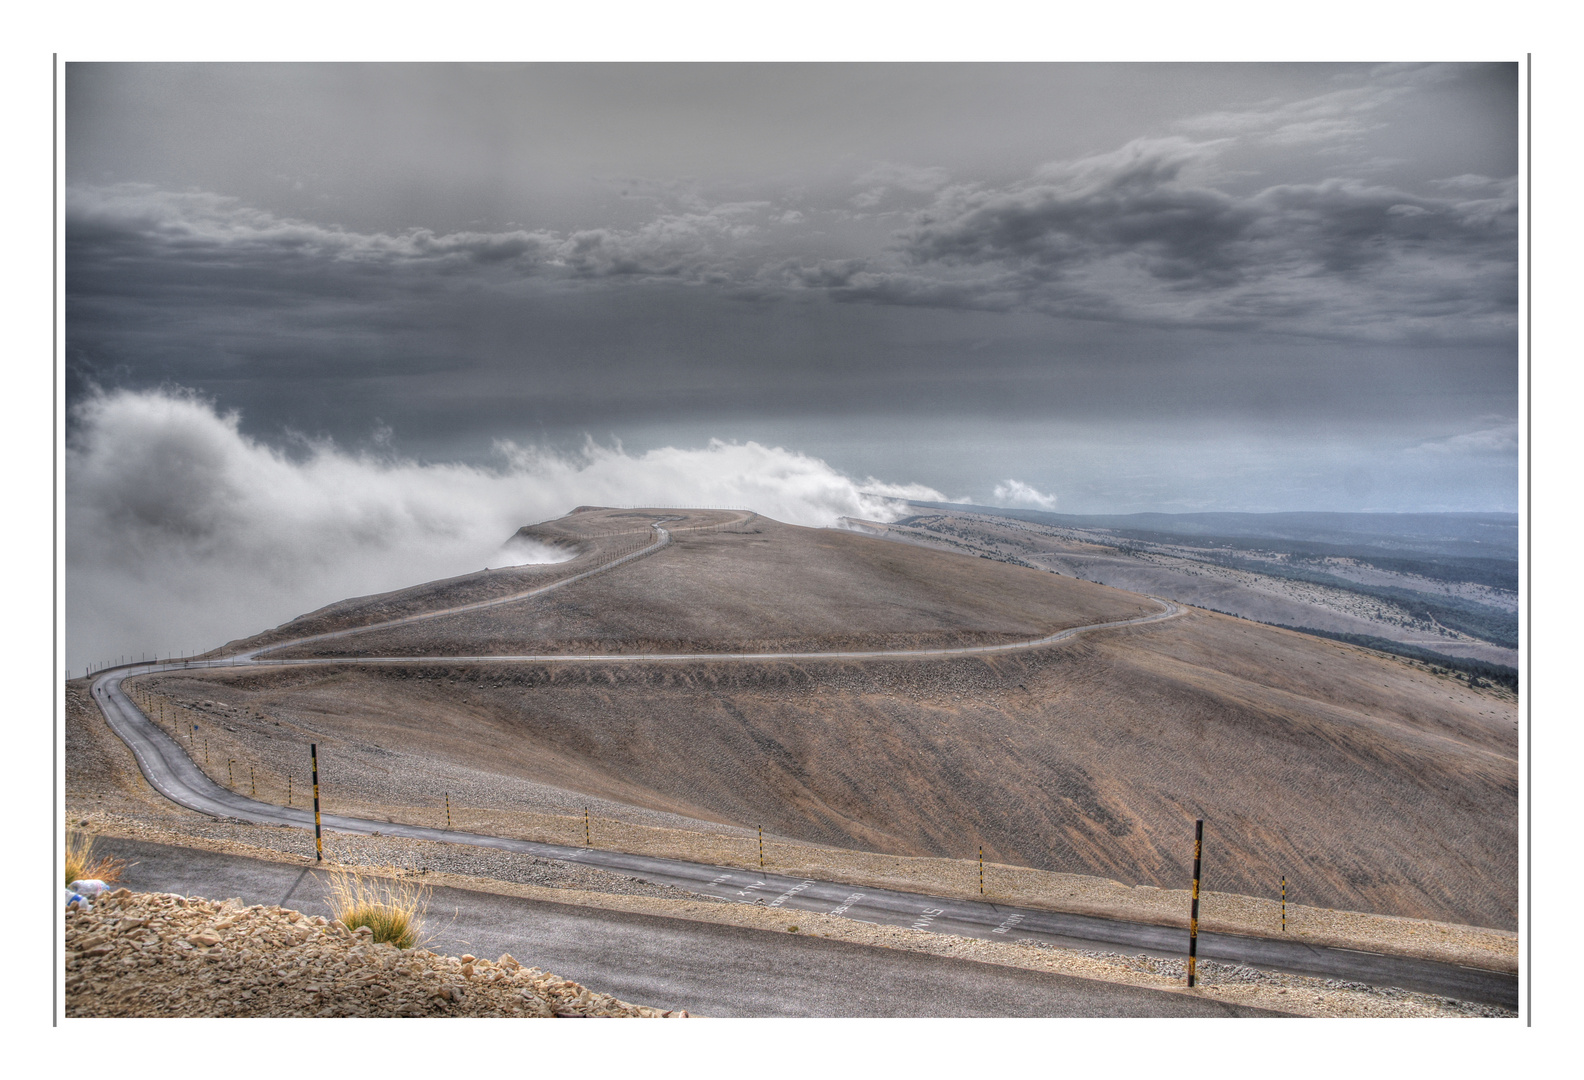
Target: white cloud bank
{"x":1015,"y":494}
{"x":182,"y":532}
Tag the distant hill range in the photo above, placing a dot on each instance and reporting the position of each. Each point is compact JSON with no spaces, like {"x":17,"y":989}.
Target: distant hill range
{"x":1475,"y":536}
{"x":1442,"y":587}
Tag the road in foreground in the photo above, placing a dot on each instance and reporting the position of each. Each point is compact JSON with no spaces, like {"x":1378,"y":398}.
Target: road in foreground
{"x":705,"y":968}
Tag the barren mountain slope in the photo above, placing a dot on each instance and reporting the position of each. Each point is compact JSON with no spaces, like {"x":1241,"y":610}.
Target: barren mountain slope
{"x":1370,"y":782}
{"x":764,"y":586}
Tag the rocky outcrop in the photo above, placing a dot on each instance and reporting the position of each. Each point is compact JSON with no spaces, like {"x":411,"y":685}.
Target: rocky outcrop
{"x":159,"y":954}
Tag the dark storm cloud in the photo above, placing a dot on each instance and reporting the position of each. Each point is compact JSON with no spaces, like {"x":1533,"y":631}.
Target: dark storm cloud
{"x":699,"y":313}
{"x":135,"y":223}
{"x":1282,"y":211}
{"x":1335,"y":259}
{"x":467,"y":252}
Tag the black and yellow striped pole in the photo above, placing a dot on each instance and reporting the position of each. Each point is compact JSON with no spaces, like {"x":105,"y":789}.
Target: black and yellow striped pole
{"x":588,"y":834}
{"x":981,"y":869}
{"x":230,"y":776}
{"x":761,"y":847}
{"x":448,"y":809}
{"x":313,"y":758}
{"x":1193,"y":915}
{"x":252,"y":783}
{"x":288,"y":789}
{"x":1284,"y":904}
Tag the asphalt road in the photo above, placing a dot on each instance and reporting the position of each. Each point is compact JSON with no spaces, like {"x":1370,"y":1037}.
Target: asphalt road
{"x":172,"y":772}
{"x":705,"y":968}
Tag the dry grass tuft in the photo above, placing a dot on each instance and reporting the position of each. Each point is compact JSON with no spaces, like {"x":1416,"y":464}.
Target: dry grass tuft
{"x":390,"y":905}
{"x":82,"y":866}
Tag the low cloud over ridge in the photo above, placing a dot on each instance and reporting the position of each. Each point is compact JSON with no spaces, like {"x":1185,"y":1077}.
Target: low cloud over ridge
{"x":1018,"y":495}
{"x":182,"y":532}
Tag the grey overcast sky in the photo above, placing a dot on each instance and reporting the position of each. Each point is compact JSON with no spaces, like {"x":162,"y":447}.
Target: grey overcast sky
{"x":312,"y":307}
{"x":1161,"y":286}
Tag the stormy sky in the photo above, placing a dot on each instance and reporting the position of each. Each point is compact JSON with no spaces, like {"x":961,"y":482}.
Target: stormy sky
{"x":322,"y":317}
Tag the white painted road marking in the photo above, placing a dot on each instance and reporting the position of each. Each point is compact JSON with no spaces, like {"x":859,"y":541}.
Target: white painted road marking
{"x":847,"y":903}
{"x":790,"y":893}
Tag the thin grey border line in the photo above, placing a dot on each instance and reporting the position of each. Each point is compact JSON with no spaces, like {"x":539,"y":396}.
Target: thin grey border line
{"x":55,"y":504}
{"x":1529,"y":539}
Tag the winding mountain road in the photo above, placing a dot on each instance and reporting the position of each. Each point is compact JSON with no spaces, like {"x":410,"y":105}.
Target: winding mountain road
{"x":169,"y":769}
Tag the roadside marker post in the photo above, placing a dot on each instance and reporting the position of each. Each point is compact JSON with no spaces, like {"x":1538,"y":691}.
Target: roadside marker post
{"x":313,"y":758}
{"x":252,"y":783}
{"x":1284,"y":904}
{"x":1193,"y":915}
{"x":230,"y":776}
{"x":981,"y":869}
{"x":288,"y":789}
{"x":448,"y":809}
{"x":588,"y":834}
{"x":761,"y":847}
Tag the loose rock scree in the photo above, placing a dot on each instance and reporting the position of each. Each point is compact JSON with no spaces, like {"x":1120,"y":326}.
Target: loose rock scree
{"x":157,"y":954}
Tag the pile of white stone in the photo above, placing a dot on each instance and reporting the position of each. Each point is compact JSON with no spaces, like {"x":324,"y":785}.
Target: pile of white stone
{"x":158,"y":954}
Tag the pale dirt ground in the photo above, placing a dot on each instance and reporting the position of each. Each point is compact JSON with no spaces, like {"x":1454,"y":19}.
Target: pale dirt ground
{"x":107,"y":796}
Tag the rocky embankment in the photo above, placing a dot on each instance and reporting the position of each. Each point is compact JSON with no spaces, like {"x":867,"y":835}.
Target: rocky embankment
{"x":158,"y":954}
